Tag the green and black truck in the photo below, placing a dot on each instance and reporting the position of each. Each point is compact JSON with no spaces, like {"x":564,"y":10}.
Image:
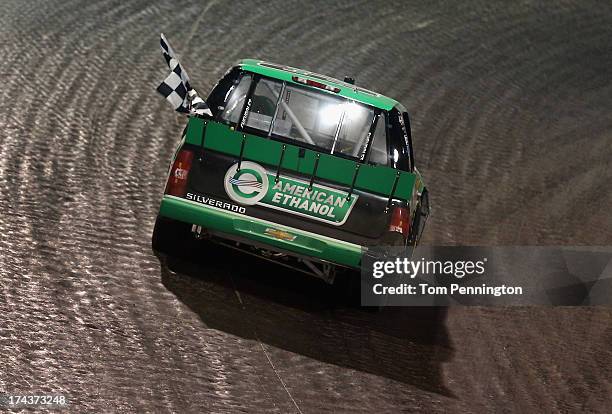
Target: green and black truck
{"x":295,"y":167}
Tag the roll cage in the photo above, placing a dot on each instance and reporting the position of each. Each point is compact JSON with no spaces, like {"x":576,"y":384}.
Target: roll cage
{"x":396,"y":121}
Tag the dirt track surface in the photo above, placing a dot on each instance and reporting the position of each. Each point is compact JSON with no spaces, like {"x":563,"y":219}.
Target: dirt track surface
{"x":512,"y":118}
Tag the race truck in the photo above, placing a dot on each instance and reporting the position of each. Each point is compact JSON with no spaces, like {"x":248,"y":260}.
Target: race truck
{"x":292,"y":166}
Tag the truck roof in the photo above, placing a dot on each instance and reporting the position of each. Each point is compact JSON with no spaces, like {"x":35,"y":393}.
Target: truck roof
{"x":346,"y":90}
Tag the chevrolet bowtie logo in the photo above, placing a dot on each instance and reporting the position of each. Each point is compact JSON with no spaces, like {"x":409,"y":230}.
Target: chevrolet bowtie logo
{"x":280,"y":234}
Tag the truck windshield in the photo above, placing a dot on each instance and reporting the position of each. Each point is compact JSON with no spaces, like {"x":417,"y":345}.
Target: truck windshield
{"x":278,"y":109}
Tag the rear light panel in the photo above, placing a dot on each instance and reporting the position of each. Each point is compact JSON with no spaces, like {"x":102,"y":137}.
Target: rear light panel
{"x":177,"y":181}
{"x":400,"y":221}
{"x":315,"y":84}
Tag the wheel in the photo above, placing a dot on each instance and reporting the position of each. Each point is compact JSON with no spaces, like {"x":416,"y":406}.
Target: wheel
{"x":420,"y":218}
{"x":171,"y":237}
{"x":347,"y":287}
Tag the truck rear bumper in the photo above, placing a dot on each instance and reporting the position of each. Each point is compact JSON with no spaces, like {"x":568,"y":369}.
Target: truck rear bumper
{"x":286,"y":238}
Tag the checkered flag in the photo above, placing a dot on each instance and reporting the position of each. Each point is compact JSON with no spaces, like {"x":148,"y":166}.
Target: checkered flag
{"x":176,"y":89}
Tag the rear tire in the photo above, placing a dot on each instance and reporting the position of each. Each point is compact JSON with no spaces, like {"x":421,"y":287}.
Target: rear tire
{"x":171,"y":237}
{"x":394,"y":244}
{"x":420,"y":219}
{"x":347,"y":287}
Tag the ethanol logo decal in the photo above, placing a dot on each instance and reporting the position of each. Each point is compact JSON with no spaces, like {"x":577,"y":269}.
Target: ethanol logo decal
{"x":247,"y":186}
{"x":254,"y":185}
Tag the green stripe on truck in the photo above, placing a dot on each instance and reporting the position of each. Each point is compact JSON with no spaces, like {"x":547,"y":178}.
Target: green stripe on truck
{"x":305,"y":243}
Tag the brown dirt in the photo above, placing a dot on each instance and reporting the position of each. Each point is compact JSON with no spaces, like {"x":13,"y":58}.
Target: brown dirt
{"x":512,"y":117}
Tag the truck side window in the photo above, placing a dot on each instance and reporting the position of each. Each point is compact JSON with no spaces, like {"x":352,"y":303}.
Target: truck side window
{"x":219,"y":94}
{"x":238,"y":93}
{"x":406,"y":123}
{"x":399,"y":141}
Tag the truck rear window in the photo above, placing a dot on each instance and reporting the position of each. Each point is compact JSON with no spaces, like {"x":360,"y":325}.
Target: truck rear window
{"x":326,"y":122}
